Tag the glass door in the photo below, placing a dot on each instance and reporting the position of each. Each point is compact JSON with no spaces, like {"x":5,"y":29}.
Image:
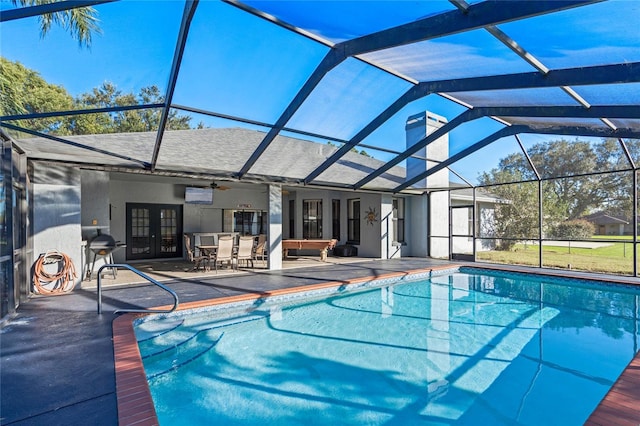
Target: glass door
{"x":154,"y":231}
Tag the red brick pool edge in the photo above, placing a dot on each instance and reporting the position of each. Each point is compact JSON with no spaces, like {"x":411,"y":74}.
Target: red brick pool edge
{"x":135,"y":405}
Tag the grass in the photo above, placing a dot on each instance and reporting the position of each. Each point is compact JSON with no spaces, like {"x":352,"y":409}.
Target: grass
{"x":616,"y":258}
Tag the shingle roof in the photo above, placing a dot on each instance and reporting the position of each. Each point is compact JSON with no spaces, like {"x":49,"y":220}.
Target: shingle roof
{"x":215,"y":152}
{"x":603,"y":218}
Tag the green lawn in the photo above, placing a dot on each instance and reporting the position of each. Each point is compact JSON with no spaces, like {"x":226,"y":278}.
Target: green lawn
{"x":614,"y":259}
{"x":612,"y":237}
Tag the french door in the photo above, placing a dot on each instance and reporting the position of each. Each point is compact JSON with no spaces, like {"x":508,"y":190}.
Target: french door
{"x":154,"y":231}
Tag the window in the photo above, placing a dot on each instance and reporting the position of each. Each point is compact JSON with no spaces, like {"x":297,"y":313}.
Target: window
{"x":398,"y":220}
{"x":249,"y":222}
{"x":244,"y":222}
{"x":312,"y":219}
{"x":292,"y":220}
{"x":335,"y":219}
{"x":353,"y":221}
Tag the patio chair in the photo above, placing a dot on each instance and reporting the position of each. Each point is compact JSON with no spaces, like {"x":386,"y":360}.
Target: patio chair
{"x":224,"y":253}
{"x":260,"y":251}
{"x":207,"y":240}
{"x":197,"y":260}
{"x":245,"y":250}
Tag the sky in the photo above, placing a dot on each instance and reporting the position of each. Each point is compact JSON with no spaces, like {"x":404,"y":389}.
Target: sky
{"x":240,"y":65}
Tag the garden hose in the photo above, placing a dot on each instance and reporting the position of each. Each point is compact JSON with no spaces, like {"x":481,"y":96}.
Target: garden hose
{"x":60,"y":282}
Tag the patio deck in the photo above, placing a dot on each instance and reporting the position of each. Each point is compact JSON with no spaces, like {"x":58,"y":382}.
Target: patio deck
{"x":57,"y":352}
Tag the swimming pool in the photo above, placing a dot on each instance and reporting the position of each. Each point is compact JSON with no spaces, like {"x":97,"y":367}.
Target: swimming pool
{"x":468,"y":347}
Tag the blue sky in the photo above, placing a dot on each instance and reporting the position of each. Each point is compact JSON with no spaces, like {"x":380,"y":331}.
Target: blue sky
{"x":240,"y":65}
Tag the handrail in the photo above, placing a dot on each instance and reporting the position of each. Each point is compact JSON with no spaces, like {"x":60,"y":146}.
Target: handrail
{"x":143,"y":275}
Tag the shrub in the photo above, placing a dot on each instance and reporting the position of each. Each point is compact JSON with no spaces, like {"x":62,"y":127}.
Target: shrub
{"x":578,"y":229}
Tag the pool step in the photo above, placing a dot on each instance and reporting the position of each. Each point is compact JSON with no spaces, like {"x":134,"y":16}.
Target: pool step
{"x":218,"y":323}
{"x":159,"y":338}
{"x":168,"y":347}
{"x":183,"y":352}
{"x":151,"y":329}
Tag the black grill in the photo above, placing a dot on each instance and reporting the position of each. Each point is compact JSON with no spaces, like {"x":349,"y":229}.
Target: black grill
{"x":103,"y":246}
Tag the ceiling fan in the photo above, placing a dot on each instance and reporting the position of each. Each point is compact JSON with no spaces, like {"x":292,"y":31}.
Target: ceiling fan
{"x":214,"y":185}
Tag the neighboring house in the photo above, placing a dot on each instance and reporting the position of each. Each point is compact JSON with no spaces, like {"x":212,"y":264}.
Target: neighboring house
{"x":606,"y":224}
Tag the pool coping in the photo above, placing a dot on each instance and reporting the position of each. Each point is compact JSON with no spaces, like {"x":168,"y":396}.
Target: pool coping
{"x":135,"y":404}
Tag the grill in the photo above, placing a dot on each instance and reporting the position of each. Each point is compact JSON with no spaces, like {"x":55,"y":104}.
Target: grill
{"x":102,"y":247}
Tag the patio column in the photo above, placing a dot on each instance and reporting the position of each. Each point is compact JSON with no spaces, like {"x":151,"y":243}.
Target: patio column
{"x":274,"y":234}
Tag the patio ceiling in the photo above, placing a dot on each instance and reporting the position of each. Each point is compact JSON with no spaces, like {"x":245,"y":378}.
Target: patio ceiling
{"x":348,"y":73}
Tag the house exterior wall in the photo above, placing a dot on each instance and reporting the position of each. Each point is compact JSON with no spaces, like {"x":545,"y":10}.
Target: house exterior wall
{"x":95,"y":202}
{"x":56,"y":211}
{"x":299,"y":196}
{"x":71,"y":206}
{"x":196,"y":217}
{"x":417,"y":220}
{"x":374,"y":241}
{"x":611,"y":229}
{"x":389,"y":250}
{"x":370,"y":232}
{"x":94,"y":218}
{"x":127,"y":190}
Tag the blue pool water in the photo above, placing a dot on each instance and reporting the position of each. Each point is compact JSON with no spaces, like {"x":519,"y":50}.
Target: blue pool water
{"x":463,"y":348}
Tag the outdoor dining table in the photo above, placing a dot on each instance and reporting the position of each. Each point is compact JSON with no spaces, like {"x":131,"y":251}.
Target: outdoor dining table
{"x":207,"y":250}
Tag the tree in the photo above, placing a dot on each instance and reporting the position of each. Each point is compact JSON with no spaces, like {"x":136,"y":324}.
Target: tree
{"x":570,"y":196}
{"x":354,"y":149}
{"x":143,"y":120}
{"x":24,"y":91}
{"x":569,"y":189}
{"x":516,"y":218}
{"x":620,"y":185}
{"x":81,"y":22}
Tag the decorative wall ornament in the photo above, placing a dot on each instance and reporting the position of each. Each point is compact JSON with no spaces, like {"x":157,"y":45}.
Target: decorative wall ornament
{"x":371,"y":216}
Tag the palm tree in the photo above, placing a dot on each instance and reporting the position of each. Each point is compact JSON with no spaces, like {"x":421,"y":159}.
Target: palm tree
{"x":81,"y":22}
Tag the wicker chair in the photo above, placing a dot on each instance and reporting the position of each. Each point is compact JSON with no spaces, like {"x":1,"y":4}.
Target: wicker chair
{"x":197,"y":260}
